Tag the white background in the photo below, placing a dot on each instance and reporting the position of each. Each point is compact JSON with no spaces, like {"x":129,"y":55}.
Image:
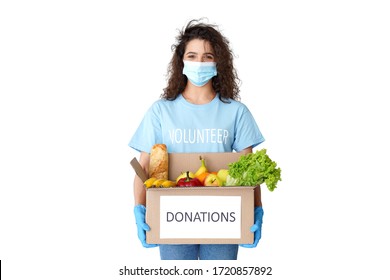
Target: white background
{"x":77,"y":76}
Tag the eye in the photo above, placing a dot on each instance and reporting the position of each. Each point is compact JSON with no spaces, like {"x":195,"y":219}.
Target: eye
{"x":209,"y":57}
{"x":190,"y":56}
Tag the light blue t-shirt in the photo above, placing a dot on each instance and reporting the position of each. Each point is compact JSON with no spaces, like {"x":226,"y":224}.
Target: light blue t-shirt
{"x":188,"y":128}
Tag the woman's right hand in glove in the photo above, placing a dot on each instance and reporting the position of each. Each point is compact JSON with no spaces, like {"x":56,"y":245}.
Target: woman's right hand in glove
{"x":142,"y":226}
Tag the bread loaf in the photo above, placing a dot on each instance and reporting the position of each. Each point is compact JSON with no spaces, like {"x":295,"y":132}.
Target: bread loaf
{"x":158,"y":164}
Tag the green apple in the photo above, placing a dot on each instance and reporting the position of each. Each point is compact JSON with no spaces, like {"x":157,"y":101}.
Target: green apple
{"x":222,"y":175}
{"x":212,"y":180}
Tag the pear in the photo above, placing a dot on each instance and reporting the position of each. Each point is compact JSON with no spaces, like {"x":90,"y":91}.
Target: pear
{"x":202,"y":168}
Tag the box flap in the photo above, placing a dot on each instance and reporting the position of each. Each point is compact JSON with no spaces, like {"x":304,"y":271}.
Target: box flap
{"x":138,"y":169}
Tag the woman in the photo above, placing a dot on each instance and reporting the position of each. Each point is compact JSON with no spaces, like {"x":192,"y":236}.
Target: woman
{"x":198,"y":111}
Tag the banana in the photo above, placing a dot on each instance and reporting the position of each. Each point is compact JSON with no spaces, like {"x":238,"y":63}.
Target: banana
{"x":158,"y":183}
{"x":149,"y":182}
{"x":168,"y":184}
{"x":202,"y":168}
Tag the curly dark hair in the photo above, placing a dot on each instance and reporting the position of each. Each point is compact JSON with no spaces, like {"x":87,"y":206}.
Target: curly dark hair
{"x":226,"y":83}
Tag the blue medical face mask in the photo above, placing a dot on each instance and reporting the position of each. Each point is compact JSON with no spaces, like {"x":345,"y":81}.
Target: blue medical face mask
{"x":199,"y":73}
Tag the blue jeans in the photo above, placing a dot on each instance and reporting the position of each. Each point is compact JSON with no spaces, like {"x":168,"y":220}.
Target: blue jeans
{"x":201,"y":252}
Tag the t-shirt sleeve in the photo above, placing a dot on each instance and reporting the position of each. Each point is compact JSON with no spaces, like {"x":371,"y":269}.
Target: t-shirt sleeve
{"x":247,"y":132}
{"x":148,"y":132}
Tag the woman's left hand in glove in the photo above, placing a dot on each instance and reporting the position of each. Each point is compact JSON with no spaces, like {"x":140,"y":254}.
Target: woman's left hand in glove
{"x":256,"y":228}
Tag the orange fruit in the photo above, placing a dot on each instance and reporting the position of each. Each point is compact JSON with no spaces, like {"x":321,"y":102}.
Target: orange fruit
{"x":202,"y":177}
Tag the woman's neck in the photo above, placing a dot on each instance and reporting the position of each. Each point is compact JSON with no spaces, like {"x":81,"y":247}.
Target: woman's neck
{"x":199,"y":95}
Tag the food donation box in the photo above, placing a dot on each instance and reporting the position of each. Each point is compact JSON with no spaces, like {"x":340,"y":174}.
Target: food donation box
{"x":199,"y":215}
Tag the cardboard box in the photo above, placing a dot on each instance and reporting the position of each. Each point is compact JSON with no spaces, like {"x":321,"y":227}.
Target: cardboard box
{"x":198,"y":215}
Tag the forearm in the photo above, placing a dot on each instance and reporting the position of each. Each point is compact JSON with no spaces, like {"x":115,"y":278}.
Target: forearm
{"x":258,"y":196}
{"x":139,"y":189}
{"x":139,"y":192}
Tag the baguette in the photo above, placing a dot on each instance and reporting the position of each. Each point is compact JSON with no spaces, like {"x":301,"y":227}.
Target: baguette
{"x":158,"y":164}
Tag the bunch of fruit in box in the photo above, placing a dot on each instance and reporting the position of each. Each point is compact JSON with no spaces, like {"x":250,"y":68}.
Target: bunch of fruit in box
{"x":202,"y":177}
{"x":250,"y":170}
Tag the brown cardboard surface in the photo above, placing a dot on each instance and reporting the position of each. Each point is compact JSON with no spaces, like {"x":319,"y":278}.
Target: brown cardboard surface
{"x":153,"y":213}
{"x":138,"y":169}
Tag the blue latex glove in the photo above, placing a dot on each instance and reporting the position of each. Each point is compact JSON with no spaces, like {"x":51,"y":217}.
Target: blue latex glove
{"x":256,"y":228}
{"x":142,"y":226}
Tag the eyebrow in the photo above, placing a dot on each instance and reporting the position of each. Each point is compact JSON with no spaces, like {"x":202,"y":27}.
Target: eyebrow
{"x":203,"y":54}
